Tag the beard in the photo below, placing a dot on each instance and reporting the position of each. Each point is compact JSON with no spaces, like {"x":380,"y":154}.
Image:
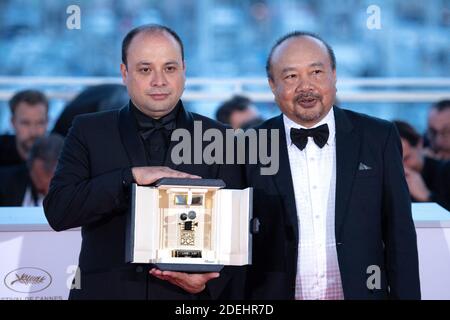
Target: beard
{"x":306,"y":109}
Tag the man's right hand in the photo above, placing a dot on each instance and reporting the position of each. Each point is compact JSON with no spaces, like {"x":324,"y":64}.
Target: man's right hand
{"x":148,"y":175}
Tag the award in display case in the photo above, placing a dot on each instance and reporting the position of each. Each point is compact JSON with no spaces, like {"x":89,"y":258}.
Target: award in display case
{"x":190,"y":225}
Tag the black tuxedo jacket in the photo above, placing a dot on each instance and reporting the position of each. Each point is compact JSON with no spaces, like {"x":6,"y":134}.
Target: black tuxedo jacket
{"x":9,"y":156}
{"x":373,"y":222}
{"x":14,"y":183}
{"x":87,"y":191}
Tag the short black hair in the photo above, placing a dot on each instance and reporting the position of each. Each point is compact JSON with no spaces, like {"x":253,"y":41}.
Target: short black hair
{"x":48,"y":149}
{"x":407,"y":132}
{"x":442,"y":105}
{"x":236,"y":103}
{"x":100,"y":97}
{"x":31,"y":97}
{"x":297,"y":34}
{"x":148,"y":28}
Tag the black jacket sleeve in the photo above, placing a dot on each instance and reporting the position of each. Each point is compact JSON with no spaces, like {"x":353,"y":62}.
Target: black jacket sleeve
{"x":75,"y":197}
{"x":399,"y":231}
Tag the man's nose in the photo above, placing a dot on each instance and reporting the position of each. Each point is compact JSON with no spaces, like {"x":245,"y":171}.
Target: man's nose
{"x":158,"y":79}
{"x":35,"y":130}
{"x":303,"y":83}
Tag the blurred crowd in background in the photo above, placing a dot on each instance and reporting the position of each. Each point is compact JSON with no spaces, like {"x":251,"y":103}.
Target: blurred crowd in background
{"x":227,"y":39}
{"x":28,"y":158}
{"x":223,"y":39}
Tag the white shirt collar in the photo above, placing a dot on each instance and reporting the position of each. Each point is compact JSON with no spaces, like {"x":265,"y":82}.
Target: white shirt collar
{"x":328,"y":119}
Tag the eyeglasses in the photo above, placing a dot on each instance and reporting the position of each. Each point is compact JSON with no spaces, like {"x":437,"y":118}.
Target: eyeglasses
{"x":433,"y":133}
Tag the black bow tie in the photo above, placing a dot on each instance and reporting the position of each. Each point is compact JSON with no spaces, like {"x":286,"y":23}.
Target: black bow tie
{"x":150,"y":127}
{"x":147,"y":125}
{"x":320,"y":135}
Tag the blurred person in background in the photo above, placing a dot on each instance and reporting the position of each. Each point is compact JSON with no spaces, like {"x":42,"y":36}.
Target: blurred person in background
{"x":27,"y":185}
{"x":438,"y":132}
{"x":29,"y":118}
{"x":238,"y":112}
{"x":92,"y":99}
{"x":428,"y":179}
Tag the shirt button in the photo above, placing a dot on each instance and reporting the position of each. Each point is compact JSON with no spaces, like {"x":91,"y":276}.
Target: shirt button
{"x":314,"y":187}
{"x":311,"y":159}
{"x":317,"y":216}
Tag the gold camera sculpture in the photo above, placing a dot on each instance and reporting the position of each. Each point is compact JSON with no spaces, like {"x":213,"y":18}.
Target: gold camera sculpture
{"x":190,"y":225}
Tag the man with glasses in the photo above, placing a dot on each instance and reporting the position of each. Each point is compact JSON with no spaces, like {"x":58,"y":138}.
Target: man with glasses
{"x":438,"y":132}
{"x":428,"y":179}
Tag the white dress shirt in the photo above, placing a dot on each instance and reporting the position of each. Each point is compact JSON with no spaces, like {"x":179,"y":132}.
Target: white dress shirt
{"x":313,"y":173}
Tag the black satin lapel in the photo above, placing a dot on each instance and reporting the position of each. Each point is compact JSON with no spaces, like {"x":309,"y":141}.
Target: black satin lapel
{"x":184,"y":121}
{"x":283,"y":179}
{"x":130,"y":138}
{"x":347,"y":155}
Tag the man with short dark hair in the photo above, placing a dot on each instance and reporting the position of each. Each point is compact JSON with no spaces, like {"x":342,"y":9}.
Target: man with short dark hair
{"x":106,"y":152}
{"x":438,"y":132}
{"x":94,"y":98}
{"x":238,"y":112}
{"x":335,"y":221}
{"x":428,"y":178}
{"x":29,"y":118}
{"x":28,"y":185}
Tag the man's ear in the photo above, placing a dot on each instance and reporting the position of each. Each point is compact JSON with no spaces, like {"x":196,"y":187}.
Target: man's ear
{"x":12,"y":121}
{"x":124,"y":72}
{"x":271,"y":84}
{"x":184,"y":71}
